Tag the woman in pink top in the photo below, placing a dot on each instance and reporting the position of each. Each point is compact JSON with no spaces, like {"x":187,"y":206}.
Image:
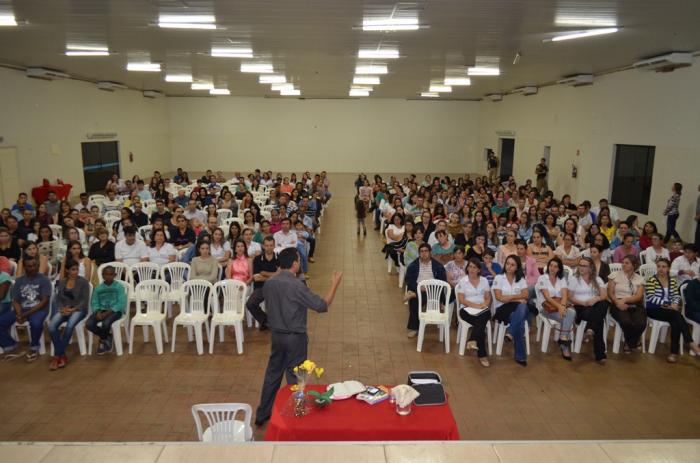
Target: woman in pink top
{"x":239,"y":268}
{"x":532,"y":273}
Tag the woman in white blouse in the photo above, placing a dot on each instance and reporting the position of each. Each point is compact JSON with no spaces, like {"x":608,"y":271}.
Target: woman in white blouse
{"x":587,"y":293}
{"x":474,"y":297}
{"x":552,"y":291}
{"x":626,"y":291}
{"x":160,"y":252}
{"x":567,"y":251}
{"x":511,"y":292}
{"x":220,"y":249}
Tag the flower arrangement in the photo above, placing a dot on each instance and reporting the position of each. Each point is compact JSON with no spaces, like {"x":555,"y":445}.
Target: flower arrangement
{"x":304,"y":374}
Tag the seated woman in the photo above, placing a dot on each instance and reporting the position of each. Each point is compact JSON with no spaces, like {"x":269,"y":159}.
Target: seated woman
{"x":204,"y":266}
{"x":75,"y":253}
{"x":539,"y":250}
{"x":411,"y":252}
{"x":508,"y":248}
{"x":656,"y":250}
{"x":510,"y":290}
{"x":395,"y":238}
{"x":31,"y":250}
{"x":477,"y":250}
{"x":70,"y":305}
{"x":443,"y":250}
{"x":602,"y":269}
{"x":240,"y":268}
{"x":456,"y":269}
{"x":567,"y":251}
{"x":161,"y":252}
{"x":555,"y":296}
{"x":474,"y":298}
{"x":626,"y":291}
{"x":663,"y":300}
{"x":587,"y":293}
{"x":490,"y":268}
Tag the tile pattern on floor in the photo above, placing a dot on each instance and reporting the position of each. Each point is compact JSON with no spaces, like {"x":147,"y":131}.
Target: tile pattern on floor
{"x":147,"y":397}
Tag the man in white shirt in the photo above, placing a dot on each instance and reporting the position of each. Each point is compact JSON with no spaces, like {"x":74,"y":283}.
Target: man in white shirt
{"x":111,"y":203}
{"x":614,"y":216}
{"x":687,"y":266}
{"x":130,"y":250}
{"x":285,"y":238}
{"x":193,"y":213}
{"x":441,"y":225}
{"x":84,"y":203}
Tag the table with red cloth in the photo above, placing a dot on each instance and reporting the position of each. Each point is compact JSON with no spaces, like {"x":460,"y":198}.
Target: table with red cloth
{"x":40,"y":193}
{"x":356,"y":420}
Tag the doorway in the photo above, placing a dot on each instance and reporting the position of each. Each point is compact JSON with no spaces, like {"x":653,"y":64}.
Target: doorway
{"x":507,"y":149}
{"x":100,"y":162}
{"x":9,"y":176}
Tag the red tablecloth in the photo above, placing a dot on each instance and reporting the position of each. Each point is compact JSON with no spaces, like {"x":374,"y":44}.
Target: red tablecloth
{"x":40,"y":193}
{"x":355,"y":420}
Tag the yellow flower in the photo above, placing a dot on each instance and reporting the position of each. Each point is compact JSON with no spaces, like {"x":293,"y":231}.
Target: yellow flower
{"x":308,"y":365}
{"x":294,"y":388}
{"x":319,"y":371}
{"x":296,"y":370}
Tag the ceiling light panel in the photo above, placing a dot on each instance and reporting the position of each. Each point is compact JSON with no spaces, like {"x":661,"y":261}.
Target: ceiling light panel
{"x":389,"y":53}
{"x":272,"y":79}
{"x":483,"y":71}
{"x":280,"y":87}
{"x":430,"y":95}
{"x":220,"y":52}
{"x":457,"y":81}
{"x":184,"y":78}
{"x":367,"y":80}
{"x":290,"y":92}
{"x":7,"y":19}
{"x":358,"y":92}
{"x":437,"y":88}
{"x":219,"y":91}
{"x":372,"y":69}
{"x":143,"y":67}
{"x":584,"y":34}
{"x":258,"y":68}
{"x":390,"y":24}
{"x":202,"y":86}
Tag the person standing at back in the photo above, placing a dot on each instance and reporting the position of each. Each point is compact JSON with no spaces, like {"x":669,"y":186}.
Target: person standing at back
{"x":541,"y":171}
{"x":671,"y":212}
{"x":493,"y":166}
{"x":286,"y":300}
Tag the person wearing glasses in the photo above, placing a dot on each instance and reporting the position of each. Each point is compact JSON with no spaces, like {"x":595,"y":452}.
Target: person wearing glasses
{"x":587,"y":294}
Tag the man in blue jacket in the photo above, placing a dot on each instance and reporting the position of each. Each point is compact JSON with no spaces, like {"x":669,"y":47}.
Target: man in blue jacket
{"x":423,"y":268}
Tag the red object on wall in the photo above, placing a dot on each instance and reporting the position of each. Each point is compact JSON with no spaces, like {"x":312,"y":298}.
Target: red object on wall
{"x":355,"y":420}
{"x":40,"y":193}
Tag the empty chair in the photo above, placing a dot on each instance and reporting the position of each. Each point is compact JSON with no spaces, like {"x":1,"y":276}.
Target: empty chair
{"x":230,"y":312}
{"x":432,"y":310}
{"x":176,"y":273}
{"x":150,"y":312}
{"x":194,"y":310}
{"x":222,"y":215}
{"x":222,"y":425}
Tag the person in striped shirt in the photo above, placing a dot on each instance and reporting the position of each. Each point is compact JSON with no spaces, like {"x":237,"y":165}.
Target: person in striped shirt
{"x":671,"y":212}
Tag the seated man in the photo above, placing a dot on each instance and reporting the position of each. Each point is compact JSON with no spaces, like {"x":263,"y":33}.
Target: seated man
{"x":423,"y":268}
{"x":108,"y":305}
{"x":30,"y":299}
{"x":285,"y":237}
{"x":130,"y":250}
{"x":687,"y":266}
{"x":265,"y":266}
{"x":20,"y":206}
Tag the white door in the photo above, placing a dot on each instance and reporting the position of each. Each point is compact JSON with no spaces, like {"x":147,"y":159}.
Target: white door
{"x":9,"y":176}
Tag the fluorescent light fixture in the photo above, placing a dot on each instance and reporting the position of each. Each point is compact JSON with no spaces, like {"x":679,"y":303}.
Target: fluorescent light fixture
{"x":219,"y":91}
{"x":372,"y":69}
{"x":232,"y":52}
{"x":483,"y":71}
{"x":7,"y":19}
{"x":202,"y":86}
{"x":362,"y":87}
{"x":272,"y":79}
{"x":280,"y":87}
{"x":458,"y":81}
{"x":290,"y":92}
{"x":358,"y":92}
{"x":430,"y":94}
{"x":77,"y":47}
{"x":187,"y":21}
{"x":582,"y":34}
{"x":258,"y":68}
{"x":143,"y":67}
{"x":587,"y":21}
{"x":178,"y":78}
{"x":436,"y":88}
{"x":390,"y":24}
{"x":380,"y":54}
{"x":366,"y":80}
{"x":86,"y":53}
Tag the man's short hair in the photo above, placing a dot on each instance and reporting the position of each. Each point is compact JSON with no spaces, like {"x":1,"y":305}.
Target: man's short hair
{"x":690,"y":247}
{"x":424,"y":246}
{"x":269,"y":238}
{"x":129,"y":231}
{"x":287,"y":257}
{"x":286,"y":219}
{"x":628,"y":235}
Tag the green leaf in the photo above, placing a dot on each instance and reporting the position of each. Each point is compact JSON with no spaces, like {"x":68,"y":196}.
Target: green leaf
{"x":315,"y":394}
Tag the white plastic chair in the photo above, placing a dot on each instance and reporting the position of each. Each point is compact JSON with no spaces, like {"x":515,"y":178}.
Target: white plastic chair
{"x":79,"y":330}
{"x":194,"y":310}
{"x":94,"y":198}
{"x":643,"y":256}
{"x":118,"y":324}
{"x":145,"y":232}
{"x":223,"y":214}
{"x":223,"y":427}
{"x":500,"y":330}
{"x":619,"y":337}
{"x":150,"y":301}
{"x":148,"y":203}
{"x":112,"y":215}
{"x":464,"y":327}
{"x":647,"y":271}
{"x":435,"y":298}
{"x":56,"y":231}
{"x":547,"y":324}
{"x":13,"y":268}
{"x":121,"y":272}
{"x":228,"y":313}
{"x":178,"y":273}
{"x":227,"y":223}
{"x":615,"y":267}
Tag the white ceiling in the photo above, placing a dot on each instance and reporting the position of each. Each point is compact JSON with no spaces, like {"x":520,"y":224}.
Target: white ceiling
{"x":315,"y":42}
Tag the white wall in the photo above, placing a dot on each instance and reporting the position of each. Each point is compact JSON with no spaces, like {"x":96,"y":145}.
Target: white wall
{"x":631,"y":107}
{"x":335,"y":135}
{"x":40,"y":118}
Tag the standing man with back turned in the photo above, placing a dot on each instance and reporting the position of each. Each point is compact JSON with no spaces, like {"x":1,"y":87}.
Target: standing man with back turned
{"x":287,"y":299}
{"x":541,"y":171}
{"x":493,"y":165}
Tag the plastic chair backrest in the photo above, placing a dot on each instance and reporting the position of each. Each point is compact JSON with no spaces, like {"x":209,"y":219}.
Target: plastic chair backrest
{"x":615,"y":267}
{"x":121,"y":272}
{"x":152,"y":294}
{"x":221,"y":420}
{"x":196,"y":295}
{"x":643,"y":256}
{"x":435,"y":290}
{"x":647,"y":270}
{"x":56,"y":231}
{"x":112,"y":215}
{"x":223,"y":214}
{"x":227,"y":222}
{"x":178,"y":272}
{"x":145,"y":232}
{"x":146,"y":270}
{"x":233,"y":293}
{"x":13,"y":268}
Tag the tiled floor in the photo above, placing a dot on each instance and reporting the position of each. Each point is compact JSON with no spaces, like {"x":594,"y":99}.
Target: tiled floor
{"x":147,"y":397}
{"x":505,"y":452}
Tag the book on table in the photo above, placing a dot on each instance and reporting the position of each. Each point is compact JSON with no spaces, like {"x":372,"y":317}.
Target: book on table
{"x":345,"y":389}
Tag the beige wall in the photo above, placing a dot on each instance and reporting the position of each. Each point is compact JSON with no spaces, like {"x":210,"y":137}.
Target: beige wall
{"x":335,"y":135}
{"x":631,"y":107}
{"x":40,"y":118}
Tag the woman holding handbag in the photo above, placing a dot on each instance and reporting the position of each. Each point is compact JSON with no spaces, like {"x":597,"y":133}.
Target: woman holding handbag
{"x":554,"y":294}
